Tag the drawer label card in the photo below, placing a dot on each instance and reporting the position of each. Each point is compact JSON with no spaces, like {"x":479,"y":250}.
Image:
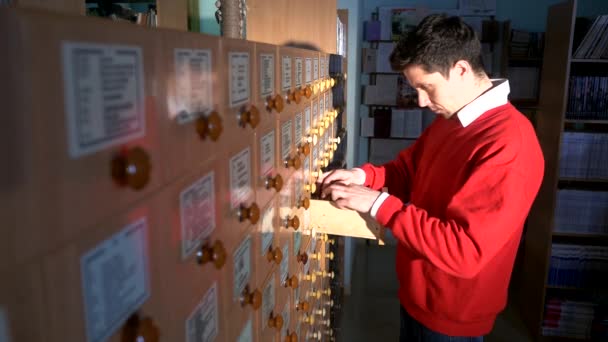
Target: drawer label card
{"x":321,"y":106}
{"x":266,"y":75}
{"x":315,"y":112}
{"x":104,"y":95}
{"x":315,"y":156}
{"x":306,"y":165}
{"x":285,"y":263}
{"x":286,"y":317}
{"x":297,"y":242}
{"x":267,"y":156}
{"x":298,"y":129}
{"x":328,"y":104}
{"x":286,"y":71}
{"x":239,"y":83}
{"x":286,"y":139}
{"x":240,"y":178}
{"x":322,"y":67}
{"x":242,"y":267}
{"x":299,"y":72}
{"x":202,"y":324}
{"x":268,"y":300}
{"x":308,"y":71}
{"x":315,"y":69}
{"x":307,"y":119}
{"x":267,"y":229}
{"x":115,"y":280}
{"x":193,"y":82}
{"x":197,"y":213}
{"x":247,"y":332}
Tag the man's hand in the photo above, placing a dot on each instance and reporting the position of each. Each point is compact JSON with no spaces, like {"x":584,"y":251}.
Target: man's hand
{"x":346,"y":177}
{"x":352,"y":196}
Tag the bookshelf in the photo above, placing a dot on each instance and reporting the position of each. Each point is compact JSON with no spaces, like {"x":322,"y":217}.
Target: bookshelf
{"x":566,"y":244}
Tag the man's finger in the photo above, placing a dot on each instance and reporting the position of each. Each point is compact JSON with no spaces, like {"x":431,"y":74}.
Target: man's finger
{"x":328,"y":190}
{"x":342,"y":203}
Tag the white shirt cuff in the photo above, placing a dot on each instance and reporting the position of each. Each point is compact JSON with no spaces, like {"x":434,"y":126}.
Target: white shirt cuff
{"x":377,"y":203}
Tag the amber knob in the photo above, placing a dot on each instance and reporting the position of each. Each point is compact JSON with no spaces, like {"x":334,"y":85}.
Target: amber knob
{"x":294,"y":96}
{"x":312,"y":188}
{"x":253,"y":298}
{"x":304,"y":203}
{"x":303,"y":306}
{"x":131,"y":168}
{"x":136,"y":329}
{"x":310,"y":319}
{"x":251,"y":117}
{"x":251,"y":213}
{"x":307,"y":91}
{"x":302,"y":258}
{"x":293,"y":222}
{"x":209,"y":126}
{"x":293,"y":337}
{"x":275,"y":103}
{"x":304,"y":149}
{"x":275,"y":255}
{"x":294,"y":162}
{"x":310,"y":277}
{"x":215,"y":253}
{"x":291,"y":282}
{"x":276,"y":183}
{"x":275,"y":321}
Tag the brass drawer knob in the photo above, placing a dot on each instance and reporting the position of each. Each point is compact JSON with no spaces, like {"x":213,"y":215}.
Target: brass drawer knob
{"x":251,"y":117}
{"x":326,"y":292}
{"x":303,"y":306}
{"x":275,"y":321}
{"x":294,"y":162}
{"x":330,"y":255}
{"x":294,"y":96}
{"x":137,"y":329}
{"x":307,"y":91}
{"x":251,"y":213}
{"x":291,"y":337}
{"x":293,"y":222}
{"x":310,"y":277}
{"x":325,"y":238}
{"x":336,"y":140}
{"x":304,"y":149}
{"x":253,"y":298}
{"x":209,"y":126}
{"x":131,"y":168}
{"x":275,"y":182}
{"x":215,"y":253}
{"x":291,"y":282}
{"x":302,"y":258}
{"x":330,"y":275}
{"x":314,"y":294}
{"x":332,"y":82}
{"x":275,"y":255}
{"x":312,"y":187}
{"x":316,"y":335}
{"x":321,"y":312}
{"x":304,"y":203}
{"x":315,"y":256}
{"x":275,"y":103}
{"x":309,"y":319}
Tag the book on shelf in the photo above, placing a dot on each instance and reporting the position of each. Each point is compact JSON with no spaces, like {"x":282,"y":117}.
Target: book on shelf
{"x":594,"y":44}
{"x":578,"y":266}
{"x":581,"y":212}
{"x":584,"y":156}
{"x":579,"y":318}
{"x":587,"y":98}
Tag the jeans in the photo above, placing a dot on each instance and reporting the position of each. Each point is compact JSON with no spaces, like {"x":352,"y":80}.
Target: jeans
{"x":412,"y":331}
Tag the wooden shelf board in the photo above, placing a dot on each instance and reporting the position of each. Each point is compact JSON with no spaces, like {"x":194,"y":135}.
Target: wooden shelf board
{"x":581,"y":235}
{"x":581,"y":60}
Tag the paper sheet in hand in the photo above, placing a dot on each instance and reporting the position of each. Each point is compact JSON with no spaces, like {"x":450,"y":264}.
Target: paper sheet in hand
{"x":325,"y":217}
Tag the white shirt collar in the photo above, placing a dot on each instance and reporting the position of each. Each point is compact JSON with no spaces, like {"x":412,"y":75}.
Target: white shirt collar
{"x":494,"y":97}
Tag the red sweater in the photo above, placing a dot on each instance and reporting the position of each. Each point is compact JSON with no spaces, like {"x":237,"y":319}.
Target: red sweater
{"x":458,"y":201}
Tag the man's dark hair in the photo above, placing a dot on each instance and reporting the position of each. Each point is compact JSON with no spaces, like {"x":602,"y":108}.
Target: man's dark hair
{"x":436,"y":44}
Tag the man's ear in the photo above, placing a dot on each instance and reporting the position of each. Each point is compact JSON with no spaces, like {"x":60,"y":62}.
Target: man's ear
{"x":460,"y":69}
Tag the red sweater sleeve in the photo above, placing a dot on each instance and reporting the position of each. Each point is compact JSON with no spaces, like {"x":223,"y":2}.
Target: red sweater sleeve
{"x":480,"y":218}
{"x":398,"y":174}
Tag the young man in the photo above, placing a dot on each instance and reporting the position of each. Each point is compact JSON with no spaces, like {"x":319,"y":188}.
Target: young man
{"x":458,"y":198}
